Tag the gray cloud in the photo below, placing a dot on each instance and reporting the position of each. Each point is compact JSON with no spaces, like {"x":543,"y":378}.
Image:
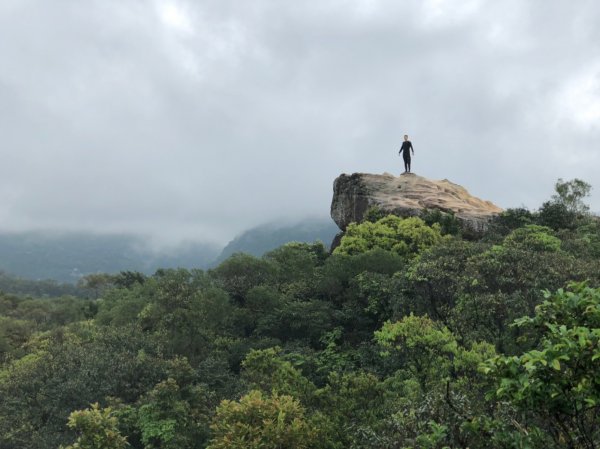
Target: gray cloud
{"x":187,"y":119}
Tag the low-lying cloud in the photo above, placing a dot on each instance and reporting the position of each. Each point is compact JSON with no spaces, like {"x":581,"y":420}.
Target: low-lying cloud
{"x":183,"y":119}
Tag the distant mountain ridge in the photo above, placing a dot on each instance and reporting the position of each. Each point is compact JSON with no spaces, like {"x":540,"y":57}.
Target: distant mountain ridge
{"x":264,"y":238}
{"x":66,"y":257}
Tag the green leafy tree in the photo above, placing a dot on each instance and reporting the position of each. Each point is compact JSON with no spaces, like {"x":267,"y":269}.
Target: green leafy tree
{"x":98,"y":283}
{"x":488,"y":317}
{"x":449,"y":224}
{"x":355,"y":404}
{"x":127,"y":279}
{"x":507,"y":221}
{"x":556,"y":216}
{"x":97,"y":429}
{"x":122,"y":306}
{"x":172,"y":417}
{"x":66,"y":371}
{"x":48,"y":313}
{"x":241,"y":272}
{"x":259,"y":314}
{"x":371,"y":303}
{"x":506,"y":282}
{"x":13,"y":335}
{"x":571,"y":195}
{"x":428,"y":350}
{"x":584,"y":241}
{"x":335,"y":277}
{"x":263,"y":422}
{"x":434,"y":280}
{"x":556,"y":386}
{"x":567,"y":208}
{"x":302,"y":321}
{"x":295,"y":264}
{"x":374,"y":214}
{"x":406,"y":236}
{"x":267,"y":371}
{"x":436,"y":385}
{"x":185,"y":314}
{"x":533,"y":238}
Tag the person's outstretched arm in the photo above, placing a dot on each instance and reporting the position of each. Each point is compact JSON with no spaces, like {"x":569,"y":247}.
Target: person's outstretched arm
{"x":413,"y":150}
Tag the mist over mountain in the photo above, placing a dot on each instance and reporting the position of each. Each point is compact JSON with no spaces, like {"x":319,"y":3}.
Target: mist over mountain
{"x":66,"y":257}
{"x":263,"y":238}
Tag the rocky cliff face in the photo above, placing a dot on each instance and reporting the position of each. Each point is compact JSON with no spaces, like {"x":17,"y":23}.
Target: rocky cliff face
{"x":406,"y":195}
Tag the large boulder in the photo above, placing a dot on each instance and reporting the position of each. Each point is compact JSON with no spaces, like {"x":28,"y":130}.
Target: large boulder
{"x":406,"y":195}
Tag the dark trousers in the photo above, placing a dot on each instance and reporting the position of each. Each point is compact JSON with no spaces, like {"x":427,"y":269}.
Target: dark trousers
{"x":406,"y":162}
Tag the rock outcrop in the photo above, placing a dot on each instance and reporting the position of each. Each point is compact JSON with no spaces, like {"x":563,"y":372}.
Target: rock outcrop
{"x":406,"y":195}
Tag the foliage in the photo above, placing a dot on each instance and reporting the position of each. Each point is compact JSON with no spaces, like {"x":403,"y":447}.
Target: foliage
{"x":295,"y":264}
{"x":173,"y":417}
{"x":438,"y":378}
{"x":47,"y":313}
{"x":97,"y":429}
{"x":68,"y":370}
{"x":405,"y":236}
{"x":39,"y":288}
{"x":374,"y":214}
{"x":556,"y":385}
{"x":509,"y":220}
{"x":534,"y":238}
{"x":571,"y":194}
{"x":556,"y":216}
{"x":14,"y":334}
{"x":428,"y":350}
{"x":433,"y":281}
{"x":262,"y":422}
{"x":384,"y":344}
{"x":127,"y":279}
{"x":266,"y":371}
{"x":449,"y":224}
{"x":566,"y":208}
{"x":354,"y":404}
{"x":238,"y":274}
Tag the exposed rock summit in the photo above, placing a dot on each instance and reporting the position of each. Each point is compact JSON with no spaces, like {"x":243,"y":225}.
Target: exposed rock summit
{"x":406,"y":195}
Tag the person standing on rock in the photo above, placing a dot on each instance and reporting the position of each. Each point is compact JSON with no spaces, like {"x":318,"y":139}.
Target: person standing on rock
{"x":405,"y":150}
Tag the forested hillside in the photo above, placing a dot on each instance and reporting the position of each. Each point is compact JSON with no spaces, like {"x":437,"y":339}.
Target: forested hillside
{"x":260,"y":239}
{"x":67,"y":257}
{"x":410,"y":335}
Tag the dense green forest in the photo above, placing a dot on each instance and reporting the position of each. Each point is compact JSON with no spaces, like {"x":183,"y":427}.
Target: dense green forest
{"x":413,"y":333}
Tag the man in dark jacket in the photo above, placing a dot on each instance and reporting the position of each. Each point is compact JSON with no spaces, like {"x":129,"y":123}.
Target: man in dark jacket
{"x":405,"y":150}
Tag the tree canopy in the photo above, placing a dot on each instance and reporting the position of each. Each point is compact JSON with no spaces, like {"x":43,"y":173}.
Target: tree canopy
{"x":409,"y":335}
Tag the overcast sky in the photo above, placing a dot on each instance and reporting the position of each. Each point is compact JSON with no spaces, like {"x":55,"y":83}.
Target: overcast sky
{"x":199,"y":119}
